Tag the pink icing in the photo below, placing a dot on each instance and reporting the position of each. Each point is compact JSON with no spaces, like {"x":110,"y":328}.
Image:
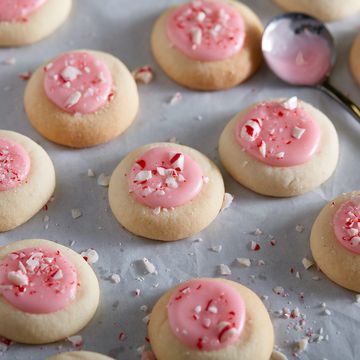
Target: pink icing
{"x":278,"y":135}
{"x":38,"y":280}
{"x":18,"y":10}
{"x":164,"y":177}
{"x":78,"y":82}
{"x":206,"y":315}
{"x":346,"y":225}
{"x":14,"y":164}
{"x":206,"y":30}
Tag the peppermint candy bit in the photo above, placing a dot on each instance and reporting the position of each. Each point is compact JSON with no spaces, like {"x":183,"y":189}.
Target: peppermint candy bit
{"x":291,"y":103}
{"x":251,"y":129}
{"x":143,"y":175}
{"x":73,"y":99}
{"x":297,"y":132}
{"x":18,"y":278}
{"x":70,"y":73}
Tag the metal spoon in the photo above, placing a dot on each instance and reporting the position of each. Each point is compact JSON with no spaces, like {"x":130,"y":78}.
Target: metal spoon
{"x":300,"y":50}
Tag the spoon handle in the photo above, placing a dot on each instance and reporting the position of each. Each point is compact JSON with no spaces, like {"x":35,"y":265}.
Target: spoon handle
{"x":340,"y":98}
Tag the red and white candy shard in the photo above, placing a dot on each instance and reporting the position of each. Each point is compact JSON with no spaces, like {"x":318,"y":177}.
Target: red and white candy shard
{"x":346,"y":224}
{"x":251,"y":129}
{"x":291,"y":104}
{"x":143,"y":75}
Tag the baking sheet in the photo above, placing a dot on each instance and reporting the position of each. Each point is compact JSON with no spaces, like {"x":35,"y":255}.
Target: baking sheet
{"x":122,"y":27}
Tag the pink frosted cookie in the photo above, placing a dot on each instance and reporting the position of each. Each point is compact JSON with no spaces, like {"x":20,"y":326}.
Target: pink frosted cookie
{"x":47,"y":292}
{"x":216,"y":318}
{"x":280,"y":147}
{"x":335,"y":240}
{"x":27,"y":179}
{"x":24,"y":22}
{"x":208,"y":44}
{"x":166,"y":191}
{"x":86,"y":98}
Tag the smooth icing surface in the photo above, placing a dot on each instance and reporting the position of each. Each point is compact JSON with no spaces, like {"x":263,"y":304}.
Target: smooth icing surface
{"x":279,"y":134}
{"x":163,"y":177}
{"x":18,"y":10}
{"x":206,"y":315}
{"x":346,"y":225}
{"x":37,"y":280}
{"x":206,"y":30}
{"x":14,"y":164}
{"x":78,"y":82}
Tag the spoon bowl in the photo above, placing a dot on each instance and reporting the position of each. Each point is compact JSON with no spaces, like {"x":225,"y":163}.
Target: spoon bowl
{"x":300,"y":50}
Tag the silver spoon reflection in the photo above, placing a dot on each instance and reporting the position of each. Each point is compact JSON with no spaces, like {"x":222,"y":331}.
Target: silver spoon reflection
{"x":300,"y":50}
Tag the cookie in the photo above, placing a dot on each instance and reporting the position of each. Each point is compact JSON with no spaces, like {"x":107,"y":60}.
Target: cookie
{"x":79,"y":355}
{"x":165,"y":191}
{"x":24,"y":22}
{"x":280,"y":147}
{"x":213,"y":319}
{"x":47,"y":292}
{"x":208,"y":44}
{"x":325,"y":10}
{"x":335,"y":240}
{"x":27,"y":179}
{"x":354,"y":59}
{"x":81,"y":98}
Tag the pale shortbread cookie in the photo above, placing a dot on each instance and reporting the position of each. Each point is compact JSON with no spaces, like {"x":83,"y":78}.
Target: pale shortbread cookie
{"x":79,"y":355}
{"x":46,"y":328}
{"x":335,"y":261}
{"x":281,"y":181}
{"x":90,"y":129}
{"x":39,"y":24}
{"x":209,"y":75}
{"x":174,"y":224}
{"x":255,"y":342}
{"x":326,"y":10}
{"x":355,"y":59}
{"x":19,"y":204}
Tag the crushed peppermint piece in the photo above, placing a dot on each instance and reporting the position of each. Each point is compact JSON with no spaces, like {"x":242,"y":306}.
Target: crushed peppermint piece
{"x":115,"y":278}
{"x":279,"y":290}
{"x":224,"y":270}
{"x":258,"y":232}
{"x":70,"y":73}
{"x":262,"y":148}
{"x":280,"y":155}
{"x":143,"y":75}
{"x":149,"y":266}
{"x":18,"y":278}
{"x":26,"y":75}
{"x":196,"y":36}
{"x":216,"y":248}
{"x":175,"y":99}
{"x":251,"y":129}
{"x":103,"y":180}
{"x":291,"y":104}
{"x":307,"y":263}
{"x":90,"y":255}
{"x":73,"y":99}
{"x":76,"y":340}
{"x":245,"y":262}
{"x":76,"y":213}
{"x":327,"y":312}
{"x":297,"y":132}
{"x":228,"y":199}
{"x":254,"y":246}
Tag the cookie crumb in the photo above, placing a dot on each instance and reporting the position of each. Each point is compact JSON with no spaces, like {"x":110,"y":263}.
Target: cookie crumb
{"x":299,"y":228}
{"x":216,"y":248}
{"x":175,"y":99}
{"x":307,"y":263}
{"x":91,"y":173}
{"x":115,"y":278}
{"x":76,"y":340}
